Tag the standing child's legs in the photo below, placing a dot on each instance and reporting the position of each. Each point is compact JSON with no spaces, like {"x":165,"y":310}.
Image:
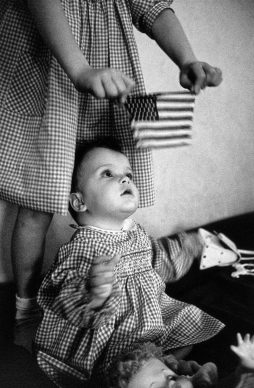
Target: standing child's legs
{"x":8,"y":214}
{"x":28,"y":229}
{"x":28,"y":243}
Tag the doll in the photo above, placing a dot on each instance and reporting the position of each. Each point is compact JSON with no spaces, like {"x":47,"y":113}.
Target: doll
{"x":146,"y":366}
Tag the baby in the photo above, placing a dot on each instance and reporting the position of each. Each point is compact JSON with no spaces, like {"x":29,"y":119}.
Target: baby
{"x":146,"y":366}
{"x":106,"y":289}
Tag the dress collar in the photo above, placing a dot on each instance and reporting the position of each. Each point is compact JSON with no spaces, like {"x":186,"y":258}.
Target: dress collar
{"x":129,"y":224}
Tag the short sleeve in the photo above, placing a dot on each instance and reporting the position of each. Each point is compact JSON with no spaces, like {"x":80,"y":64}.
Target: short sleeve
{"x":144,"y":13}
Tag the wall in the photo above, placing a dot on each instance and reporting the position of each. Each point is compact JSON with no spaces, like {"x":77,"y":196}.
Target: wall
{"x":213,"y":178}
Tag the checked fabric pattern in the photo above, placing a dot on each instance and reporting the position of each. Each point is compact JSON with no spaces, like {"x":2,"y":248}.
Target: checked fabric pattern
{"x":73,"y":335}
{"x":161,"y":119}
{"x":43,"y":116}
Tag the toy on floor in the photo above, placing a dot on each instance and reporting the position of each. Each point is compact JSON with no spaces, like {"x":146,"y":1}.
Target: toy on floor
{"x":146,"y":365}
{"x":243,"y":269}
{"x":220,"y":251}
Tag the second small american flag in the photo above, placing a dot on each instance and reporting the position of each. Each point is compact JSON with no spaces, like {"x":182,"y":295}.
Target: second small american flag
{"x":161,"y":119}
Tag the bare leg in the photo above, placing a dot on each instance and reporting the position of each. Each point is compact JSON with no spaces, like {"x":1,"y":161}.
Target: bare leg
{"x":28,"y":245}
{"x":8,"y":214}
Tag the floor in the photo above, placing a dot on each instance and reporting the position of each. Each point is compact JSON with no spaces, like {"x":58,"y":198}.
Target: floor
{"x":213,"y":290}
{"x":18,"y":367}
{"x":226,"y":298}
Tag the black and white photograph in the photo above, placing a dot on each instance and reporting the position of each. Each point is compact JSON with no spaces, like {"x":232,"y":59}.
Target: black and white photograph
{"x":126,"y":193}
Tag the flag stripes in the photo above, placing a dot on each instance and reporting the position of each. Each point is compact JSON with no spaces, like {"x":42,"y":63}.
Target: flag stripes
{"x":161,"y":119}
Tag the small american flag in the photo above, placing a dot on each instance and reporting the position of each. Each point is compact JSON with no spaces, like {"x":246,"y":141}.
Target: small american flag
{"x":161,"y":119}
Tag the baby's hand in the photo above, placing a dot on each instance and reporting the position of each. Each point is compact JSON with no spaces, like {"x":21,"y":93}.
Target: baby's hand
{"x":197,"y":75}
{"x":105,"y":83}
{"x":245,"y":350}
{"x":192,"y":244}
{"x":102,"y":278}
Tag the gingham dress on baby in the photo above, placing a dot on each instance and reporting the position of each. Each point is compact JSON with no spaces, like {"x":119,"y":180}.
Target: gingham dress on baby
{"x":42,"y":115}
{"x":72,"y":337}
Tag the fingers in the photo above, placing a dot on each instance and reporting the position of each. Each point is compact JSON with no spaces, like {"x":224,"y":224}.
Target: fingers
{"x":123,"y":85}
{"x":102,"y":278}
{"x":193,"y":77}
{"x":185,"y":80}
{"x":236,"y":350}
{"x":245,"y":350}
{"x":198,"y":75}
{"x":239,"y":339}
{"x":105,"y":262}
{"x":248,"y":338}
{"x":102,"y":291}
{"x":244,"y":340}
{"x":110,"y":87}
{"x":98,"y":279}
{"x":213,"y":75}
{"x":112,"y":84}
{"x":129,"y":85}
{"x":102,"y":271}
{"x":97,"y":89}
{"x":243,"y":343}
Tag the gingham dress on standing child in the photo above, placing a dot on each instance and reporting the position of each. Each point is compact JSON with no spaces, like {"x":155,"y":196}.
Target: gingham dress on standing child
{"x":72,"y":337}
{"x":42,"y":115}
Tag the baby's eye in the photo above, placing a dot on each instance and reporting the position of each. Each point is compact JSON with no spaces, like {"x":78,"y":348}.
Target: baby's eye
{"x":107,"y":173}
{"x":129,"y":175}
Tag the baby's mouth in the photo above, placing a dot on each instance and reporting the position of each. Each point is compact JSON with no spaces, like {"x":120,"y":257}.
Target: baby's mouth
{"x":127,"y":192}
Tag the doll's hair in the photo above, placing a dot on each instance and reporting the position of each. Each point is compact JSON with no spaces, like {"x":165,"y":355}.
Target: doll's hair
{"x":130,"y":362}
{"x":82,"y":150}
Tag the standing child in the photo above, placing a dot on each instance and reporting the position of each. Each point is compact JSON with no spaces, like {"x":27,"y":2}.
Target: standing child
{"x":62,"y":63}
{"x":106,"y":289}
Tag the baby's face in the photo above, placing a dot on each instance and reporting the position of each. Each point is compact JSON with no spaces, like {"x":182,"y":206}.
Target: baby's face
{"x":106,"y":182}
{"x":155,"y":374}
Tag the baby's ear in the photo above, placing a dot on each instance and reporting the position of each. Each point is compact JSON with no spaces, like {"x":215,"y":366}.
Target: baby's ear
{"x":77,"y":203}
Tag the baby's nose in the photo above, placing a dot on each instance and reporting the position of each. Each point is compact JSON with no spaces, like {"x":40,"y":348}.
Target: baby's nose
{"x":169,"y":376}
{"x":125,"y":179}
{"x":183,"y":382}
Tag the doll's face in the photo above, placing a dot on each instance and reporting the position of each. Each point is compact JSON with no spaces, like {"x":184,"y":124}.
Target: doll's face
{"x":155,"y":374}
